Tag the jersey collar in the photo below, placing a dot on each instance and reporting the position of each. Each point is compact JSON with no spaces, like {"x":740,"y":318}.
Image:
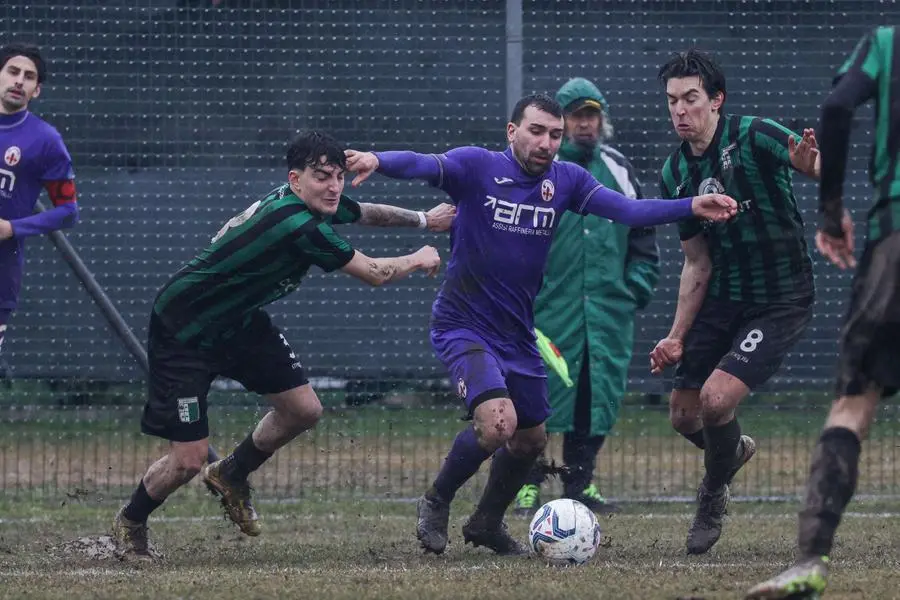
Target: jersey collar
{"x":13,"y":120}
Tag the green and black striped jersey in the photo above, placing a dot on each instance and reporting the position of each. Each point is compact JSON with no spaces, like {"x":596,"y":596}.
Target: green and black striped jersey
{"x":761,"y":255}
{"x":872,"y":65}
{"x":256,"y":258}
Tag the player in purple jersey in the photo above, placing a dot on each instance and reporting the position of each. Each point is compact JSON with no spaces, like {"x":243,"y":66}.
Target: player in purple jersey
{"x":508,"y":204}
{"x":33,"y":157}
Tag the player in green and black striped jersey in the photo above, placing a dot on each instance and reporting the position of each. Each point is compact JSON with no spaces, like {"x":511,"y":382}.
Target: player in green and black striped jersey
{"x":208,"y":320}
{"x":869,"y":365}
{"x":746,"y":290}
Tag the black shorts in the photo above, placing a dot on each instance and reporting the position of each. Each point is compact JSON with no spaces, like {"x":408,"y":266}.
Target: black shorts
{"x":748,"y":341}
{"x":258,"y":356}
{"x":870,"y":354}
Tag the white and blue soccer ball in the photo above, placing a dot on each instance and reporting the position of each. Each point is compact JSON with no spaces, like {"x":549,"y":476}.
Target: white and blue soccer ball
{"x":564,"y":532}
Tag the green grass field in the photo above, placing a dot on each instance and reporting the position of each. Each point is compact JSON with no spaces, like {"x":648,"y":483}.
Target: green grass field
{"x":367,"y":550}
{"x":339,"y":521}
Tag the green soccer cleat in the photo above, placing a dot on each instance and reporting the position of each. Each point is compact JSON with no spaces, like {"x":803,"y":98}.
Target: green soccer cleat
{"x":527,"y":500}
{"x":594,"y":500}
{"x":806,"y":579}
{"x":235,"y":498}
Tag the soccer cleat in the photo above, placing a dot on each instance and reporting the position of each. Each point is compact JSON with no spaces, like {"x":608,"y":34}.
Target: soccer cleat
{"x":527,"y":500}
{"x":706,"y":527}
{"x":806,"y":579}
{"x":432,"y":520}
{"x":131,"y":539}
{"x":747,"y":449}
{"x":594,"y":500}
{"x":493,"y":534}
{"x":235,"y":498}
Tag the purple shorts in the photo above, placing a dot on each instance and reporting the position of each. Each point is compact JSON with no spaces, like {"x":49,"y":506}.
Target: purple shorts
{"x":479,"y":374}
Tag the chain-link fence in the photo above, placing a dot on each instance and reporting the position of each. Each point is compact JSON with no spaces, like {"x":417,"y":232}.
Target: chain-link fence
{"x":177,"y":113}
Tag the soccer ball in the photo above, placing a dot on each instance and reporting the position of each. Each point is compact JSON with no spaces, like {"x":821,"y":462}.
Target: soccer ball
{"x":564,"y":532}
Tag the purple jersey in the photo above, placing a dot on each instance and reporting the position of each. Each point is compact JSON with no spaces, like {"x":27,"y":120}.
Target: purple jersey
{"x":499,"y":244}
{"x":31,"y":153}
{"x":501,"y":237}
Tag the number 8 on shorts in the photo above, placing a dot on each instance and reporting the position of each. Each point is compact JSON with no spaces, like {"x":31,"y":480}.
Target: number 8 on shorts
{"x":754,"y":337}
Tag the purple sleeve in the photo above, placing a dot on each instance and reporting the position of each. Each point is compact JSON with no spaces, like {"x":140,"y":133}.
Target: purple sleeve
{"x":409,"y":165}
{"x":448,"y":171}
{"x":61,"y":217}
{"x":604,"y":202}
{"x":57,"y":164}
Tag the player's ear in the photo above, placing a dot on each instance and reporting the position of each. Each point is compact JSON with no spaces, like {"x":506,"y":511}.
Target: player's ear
{"x":718,"y":100}
{"x":37,"y":91}
{"x":510,"y":131}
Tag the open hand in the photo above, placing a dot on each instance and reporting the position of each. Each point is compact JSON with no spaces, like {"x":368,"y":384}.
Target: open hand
{"x":805,"y":153}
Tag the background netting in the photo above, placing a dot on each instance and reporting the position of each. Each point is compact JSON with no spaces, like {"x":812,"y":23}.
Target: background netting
{"x":177,"y":114}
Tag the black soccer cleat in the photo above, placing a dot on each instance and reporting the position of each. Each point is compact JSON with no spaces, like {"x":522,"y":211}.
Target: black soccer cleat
{"x":432,"y":520}
{"x":493,"y":534}
{"x":706,"y":528}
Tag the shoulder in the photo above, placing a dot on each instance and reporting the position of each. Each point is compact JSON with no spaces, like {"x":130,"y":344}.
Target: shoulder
{"x":41,"y":128}
{"x":469,"y":153}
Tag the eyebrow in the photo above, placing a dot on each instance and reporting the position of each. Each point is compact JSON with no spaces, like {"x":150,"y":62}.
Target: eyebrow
{"x":27,"y":71}
{"x":687,"y":93}
{"x":321,"y":169}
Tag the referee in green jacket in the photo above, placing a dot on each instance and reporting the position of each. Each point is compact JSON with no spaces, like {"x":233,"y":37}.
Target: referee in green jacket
{"x":598,"y":274}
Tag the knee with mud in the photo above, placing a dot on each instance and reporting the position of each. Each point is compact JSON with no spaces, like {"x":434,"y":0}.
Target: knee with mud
{"x":187,"y":460}
{"x":495,"y":425}
{"x":304,"y":413}
{"x":528,"y":447}
{"x":717,"y":407}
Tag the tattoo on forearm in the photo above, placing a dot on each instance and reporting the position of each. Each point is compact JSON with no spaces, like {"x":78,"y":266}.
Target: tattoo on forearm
{"x":382,"y":215}
{"x":382,"y":271}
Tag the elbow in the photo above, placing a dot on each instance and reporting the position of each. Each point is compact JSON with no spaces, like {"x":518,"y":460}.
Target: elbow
{"x":72,"y":218}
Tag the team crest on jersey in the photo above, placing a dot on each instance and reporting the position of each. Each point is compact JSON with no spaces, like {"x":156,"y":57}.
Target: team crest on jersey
{"x":711,"y":185}
{"x":12,"y":156}
{"x":547,"y":190}
{"x":461,"y":388}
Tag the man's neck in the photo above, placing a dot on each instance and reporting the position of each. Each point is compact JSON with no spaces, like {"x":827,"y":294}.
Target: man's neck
{"x":698,"y":147}
{"x":6,"y":111}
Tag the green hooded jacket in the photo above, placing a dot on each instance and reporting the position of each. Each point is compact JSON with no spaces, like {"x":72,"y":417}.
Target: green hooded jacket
{"x":597,"y":275}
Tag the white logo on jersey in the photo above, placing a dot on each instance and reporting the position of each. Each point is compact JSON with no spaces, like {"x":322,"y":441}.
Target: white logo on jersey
{"x":7,"y":180}
{"x":502,"y":180}
{"x":508,"y":217}
{"x":711,"y":185}
{"x":547,"y":190}
{"x":12,"y":156}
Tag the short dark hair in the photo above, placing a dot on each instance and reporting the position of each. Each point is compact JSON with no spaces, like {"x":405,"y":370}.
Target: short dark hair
{"x":29,"y":51}
{"x":310,"y":146}
{"x":695,"y":63}
{"x":542,"y":102}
